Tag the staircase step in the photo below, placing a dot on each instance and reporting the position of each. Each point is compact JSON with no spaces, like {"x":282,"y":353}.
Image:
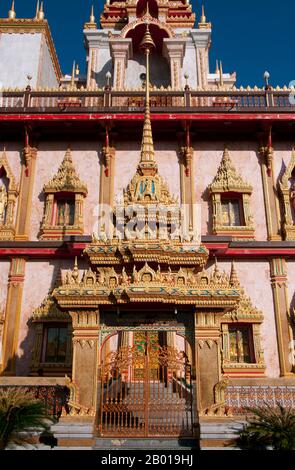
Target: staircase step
{"x":145,"y":444}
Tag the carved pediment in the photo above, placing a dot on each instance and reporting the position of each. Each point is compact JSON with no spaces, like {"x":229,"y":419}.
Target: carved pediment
{"x":228,"y":179}
{"x":148,"y":189}
{"x":49,"y":312}
{"x":66,"y":179}
{"x":5,"y":165}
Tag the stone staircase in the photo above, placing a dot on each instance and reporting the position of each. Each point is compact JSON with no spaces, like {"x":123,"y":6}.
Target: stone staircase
{"x":219,"y":434}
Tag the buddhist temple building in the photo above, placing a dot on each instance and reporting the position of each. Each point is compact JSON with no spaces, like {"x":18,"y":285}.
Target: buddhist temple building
{"x":147,"y":230}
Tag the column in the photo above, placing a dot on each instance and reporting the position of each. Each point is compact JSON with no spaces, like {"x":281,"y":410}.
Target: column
{"x":278,"y":276}
{"x":187,"y":184}
{"x":202,"y":41}
{"x":26,"y":191}
{"x":86,"y":326}
{"x":121,"y":50}
{"x":12,"y":314}
{"x":174,"y":50}
{"x":208,"y":357}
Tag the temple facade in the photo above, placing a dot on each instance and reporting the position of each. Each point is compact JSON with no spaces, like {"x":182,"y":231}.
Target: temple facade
{"x":147,"y":228}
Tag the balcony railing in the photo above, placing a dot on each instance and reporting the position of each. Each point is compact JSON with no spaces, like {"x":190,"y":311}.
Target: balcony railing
{"x":161,"y":100}
{"x":237,"y":398}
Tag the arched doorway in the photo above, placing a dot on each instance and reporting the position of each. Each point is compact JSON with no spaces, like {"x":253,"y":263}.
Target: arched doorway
{"x":146,"y":385}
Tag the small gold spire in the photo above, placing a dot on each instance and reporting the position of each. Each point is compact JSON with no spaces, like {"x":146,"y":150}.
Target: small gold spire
{"x":91,"y":23}
{"x":234,"y":280}
{"x":75,"y":272}
{"x":37,"y":9}
{"x":221,"y":82}
{"x":41,"y":14}
{"x":92,"y":17}
{"x":203,"y":17}
{"x":73,"y":74}
{"x":11,"y":13}
{"x":217,"y":68}
{"x":147,"y":156}
{"x":203,"y":24}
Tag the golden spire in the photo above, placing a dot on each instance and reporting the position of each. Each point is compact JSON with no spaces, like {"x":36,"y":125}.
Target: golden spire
{"x":91,"y":23}
{"x":37,"y":9}
{"x":41,"y":14}
{"x":221,"y":82}
{"x":203,"y":17}
{"x":234,"y":280}
{"x":92,"y":17}
{"x":147,"y":145}
{"x":73,"y":74}
{"x":217,"y":68}
{"x":203,"y":24}
{"x":11,"y":13}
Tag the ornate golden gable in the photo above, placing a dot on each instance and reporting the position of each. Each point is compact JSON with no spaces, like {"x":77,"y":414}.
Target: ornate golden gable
{"x":66,"y":179}
{"x":7,"y":228}
{"x":4,"y":164}
{"x":116,"y":286}
{"x":228,"y":179}
{"x":49,"y":312}
{"x":148,"y":189}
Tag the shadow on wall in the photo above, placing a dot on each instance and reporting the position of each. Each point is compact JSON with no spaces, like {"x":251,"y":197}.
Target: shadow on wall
{"x":100,"y":77}
{"x":159,"y":71}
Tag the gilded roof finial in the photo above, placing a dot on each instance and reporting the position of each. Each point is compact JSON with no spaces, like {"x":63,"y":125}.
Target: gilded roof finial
{"x":221,"y":82}
{"x":41,"y":14}
{"x":11,"y":13}
{"x":203,"y":17}
{"x":217,"y":68}
{"x":37,"y":9}
{"x":147,"y":146}
{"x":91,"y":23}
{"x":203,"y":24}
{"x":75,"y":272}
{"x":92,"y":17}
{"x":234,"y":280}
{"x":73,"y":74}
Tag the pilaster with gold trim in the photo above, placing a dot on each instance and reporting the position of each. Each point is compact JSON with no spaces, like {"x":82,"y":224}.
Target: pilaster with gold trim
{"x":278,"y":275}
{"x":26,"y":192}
{"x":208,"y":358}
{"x":12,"y":314}
{"x":187,"y":187}
{"x":86,"y":326}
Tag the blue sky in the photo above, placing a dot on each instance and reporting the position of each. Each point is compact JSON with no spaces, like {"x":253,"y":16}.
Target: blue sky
{"x":250,"y":36}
